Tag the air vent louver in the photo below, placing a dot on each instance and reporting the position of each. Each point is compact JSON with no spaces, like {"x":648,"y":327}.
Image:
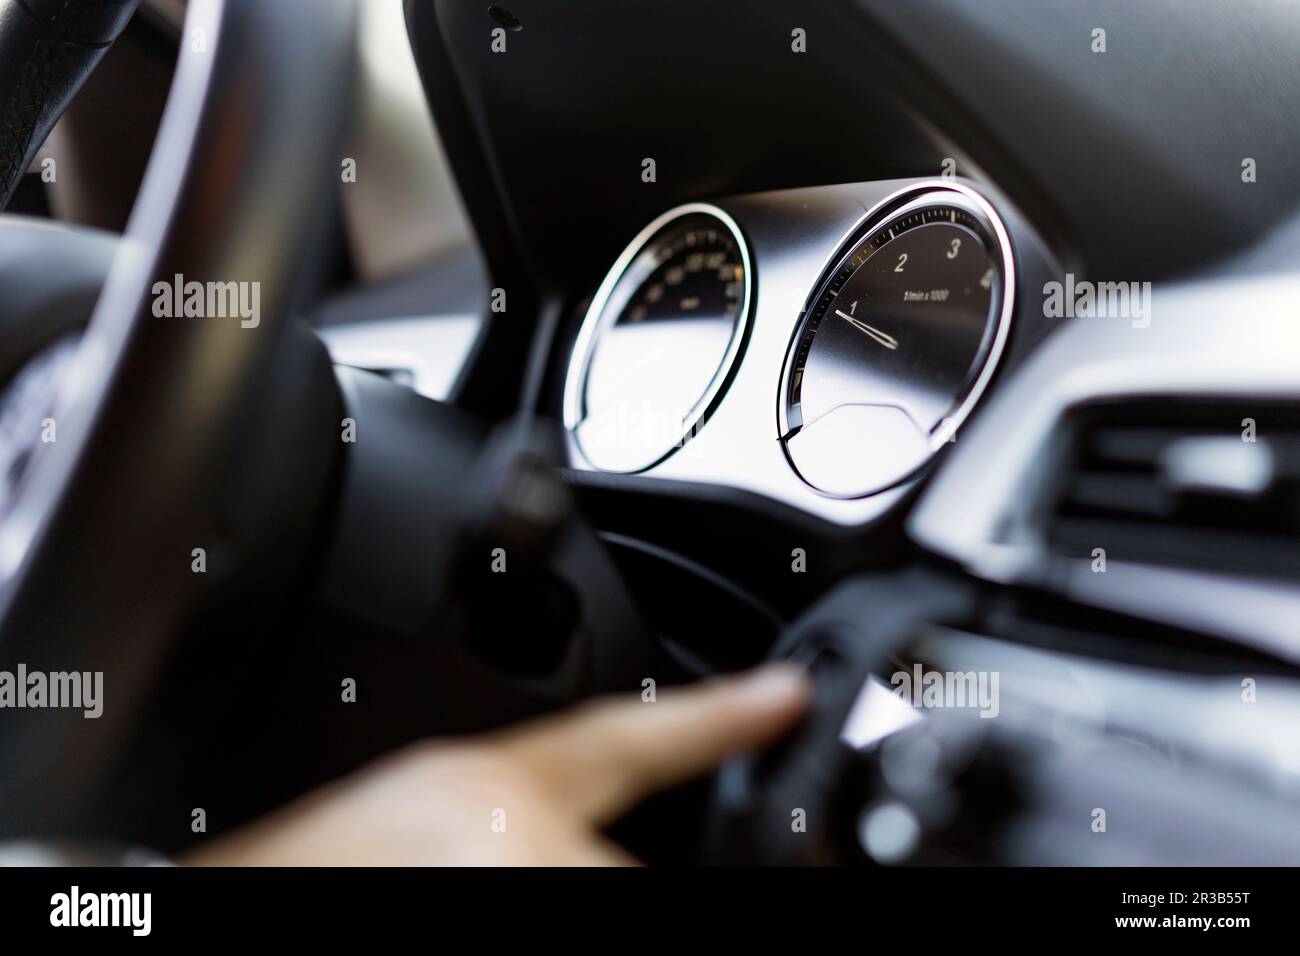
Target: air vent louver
{"x":1183,"y":484}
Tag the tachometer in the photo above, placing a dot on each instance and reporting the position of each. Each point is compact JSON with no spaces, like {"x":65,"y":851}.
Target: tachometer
{"x":659,"y":340}
{"x":897,"y":342}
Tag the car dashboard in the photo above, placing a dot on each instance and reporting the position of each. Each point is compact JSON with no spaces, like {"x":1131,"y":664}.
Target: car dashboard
{"x":963,"y":344}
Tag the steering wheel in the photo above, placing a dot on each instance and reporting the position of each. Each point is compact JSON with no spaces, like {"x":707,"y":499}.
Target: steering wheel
{"x":183,"y":465}
{"x":845,"y":638}
{"x":155,"y":483}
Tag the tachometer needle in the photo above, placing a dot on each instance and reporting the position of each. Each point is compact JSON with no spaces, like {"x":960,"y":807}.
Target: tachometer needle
{"x":888,"y":341}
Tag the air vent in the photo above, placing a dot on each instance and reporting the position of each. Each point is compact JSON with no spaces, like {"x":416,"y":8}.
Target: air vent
{"x":1214,"y":486}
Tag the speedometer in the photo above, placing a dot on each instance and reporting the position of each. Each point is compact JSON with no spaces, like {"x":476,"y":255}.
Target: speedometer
{"x":660,"y":340}
{"x":897,"y":341}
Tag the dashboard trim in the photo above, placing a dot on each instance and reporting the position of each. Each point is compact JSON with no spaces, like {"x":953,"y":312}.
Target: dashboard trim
{"x":1214,"y":340}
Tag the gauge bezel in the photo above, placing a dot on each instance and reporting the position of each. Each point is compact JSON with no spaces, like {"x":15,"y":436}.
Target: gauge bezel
{"x":907,"y":200}
{"x":599,"y":318}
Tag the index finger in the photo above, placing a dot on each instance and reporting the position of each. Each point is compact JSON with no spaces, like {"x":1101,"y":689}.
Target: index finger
{"x":605,"y":757}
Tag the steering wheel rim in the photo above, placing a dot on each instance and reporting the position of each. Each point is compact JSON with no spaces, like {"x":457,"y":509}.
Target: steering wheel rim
{"x":96,"y":543}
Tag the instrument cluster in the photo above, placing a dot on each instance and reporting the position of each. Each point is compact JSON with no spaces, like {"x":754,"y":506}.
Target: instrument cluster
{"x":819,"y":346}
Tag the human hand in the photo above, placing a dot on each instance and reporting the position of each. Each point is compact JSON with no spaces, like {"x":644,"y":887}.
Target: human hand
{"x":536,"y":794}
